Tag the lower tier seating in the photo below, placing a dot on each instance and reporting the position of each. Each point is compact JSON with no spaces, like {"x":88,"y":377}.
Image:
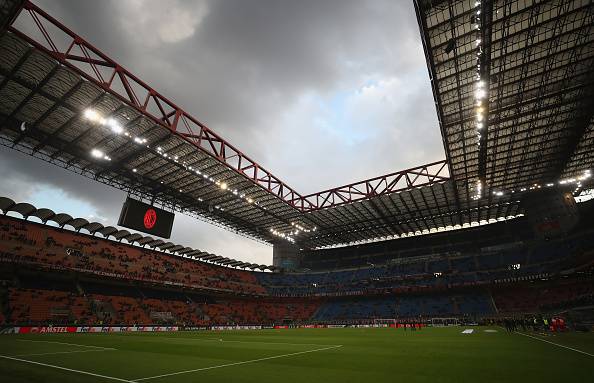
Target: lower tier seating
{"x":98,"y":303}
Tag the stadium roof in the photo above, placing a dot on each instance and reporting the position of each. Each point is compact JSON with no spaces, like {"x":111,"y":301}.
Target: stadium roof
{"x":513,"y":82}
{"x":66,"y":102}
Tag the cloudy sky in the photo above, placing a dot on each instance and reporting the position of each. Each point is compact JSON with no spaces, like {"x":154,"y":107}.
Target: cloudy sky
{"x":320,"y":92}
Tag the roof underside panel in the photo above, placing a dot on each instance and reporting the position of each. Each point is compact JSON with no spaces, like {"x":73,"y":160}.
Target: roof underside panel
{"x":413,"y":212}
{"x":540,"y":95}
{"x":42,"y":105}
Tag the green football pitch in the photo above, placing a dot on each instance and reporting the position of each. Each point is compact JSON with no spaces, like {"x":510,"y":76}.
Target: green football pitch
{"x":300,"y":355}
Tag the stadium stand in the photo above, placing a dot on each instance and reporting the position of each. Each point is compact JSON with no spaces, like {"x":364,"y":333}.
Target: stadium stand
{"x":416,"y":264}
{"x":57,"y":276}
{"x":58,"y":248}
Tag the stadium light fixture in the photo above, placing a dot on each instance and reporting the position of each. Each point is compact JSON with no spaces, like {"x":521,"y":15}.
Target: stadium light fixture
{"x":114,"y":126}
{"x":577,"y":180}
{"x":480,"y":94}
{"x":92,"y":115}
{"x":287,"y":237}
{"x":479,"y":190}
{"x":97,"y":153}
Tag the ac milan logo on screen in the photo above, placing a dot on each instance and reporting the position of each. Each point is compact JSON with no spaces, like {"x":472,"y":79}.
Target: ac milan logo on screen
{"x":150,"y":219}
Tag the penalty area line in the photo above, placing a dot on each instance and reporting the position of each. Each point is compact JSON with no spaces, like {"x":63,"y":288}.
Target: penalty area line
{"x":65,"y":369}
{"x":556,"y":344}
{"x":235,"y":363}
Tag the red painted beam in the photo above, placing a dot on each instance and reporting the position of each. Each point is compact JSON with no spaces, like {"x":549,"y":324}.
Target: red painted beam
{"x":147,"y":101}
{"x":419,"y":176}
{"x":140,"y":96}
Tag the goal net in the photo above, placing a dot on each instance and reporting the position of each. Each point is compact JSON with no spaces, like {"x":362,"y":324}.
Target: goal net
{"x":444,"y":322}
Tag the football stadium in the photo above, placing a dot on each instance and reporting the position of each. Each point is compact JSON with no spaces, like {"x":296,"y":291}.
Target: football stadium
{"x":477,"y":266}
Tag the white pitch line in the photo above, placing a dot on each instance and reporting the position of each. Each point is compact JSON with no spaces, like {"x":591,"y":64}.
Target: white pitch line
{"x":64,"y":343}
{"x":283,"y":343}
{"x":245,"y":341}
{"x":235,"y":363}
{"x":65,"y":369}
{"x":556,"y":344}
{"x":65,"y":352}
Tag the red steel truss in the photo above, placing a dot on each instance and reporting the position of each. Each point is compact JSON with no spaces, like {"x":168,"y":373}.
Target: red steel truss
{"x":77,"y":54}
{"x":419,"y":176}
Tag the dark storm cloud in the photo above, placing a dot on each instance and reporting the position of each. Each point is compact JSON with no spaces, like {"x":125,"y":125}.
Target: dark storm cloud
{"x":247,"y":60}
{"x":320,"y":92}
{"x":23,"y":175}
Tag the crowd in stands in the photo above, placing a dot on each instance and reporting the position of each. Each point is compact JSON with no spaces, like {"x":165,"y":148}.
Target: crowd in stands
{"x":39,"y":306}
{"x":111,"y":282}
{"x":535,"y":297}
{"x":25,"y":242}
{"x":474,"y":304}
{"x":440,"y":271}
{"x":96,"y":303}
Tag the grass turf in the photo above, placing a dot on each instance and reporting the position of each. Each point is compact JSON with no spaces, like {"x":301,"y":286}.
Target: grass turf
{"x":300,"y":355}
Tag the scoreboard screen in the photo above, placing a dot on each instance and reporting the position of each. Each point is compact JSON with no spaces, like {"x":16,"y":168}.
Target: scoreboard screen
{"x":148,"y":219}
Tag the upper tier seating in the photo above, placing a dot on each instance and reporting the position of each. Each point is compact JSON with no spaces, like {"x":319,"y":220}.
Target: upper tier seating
{"x":33,"y":243}
{"x":23,"y":242}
